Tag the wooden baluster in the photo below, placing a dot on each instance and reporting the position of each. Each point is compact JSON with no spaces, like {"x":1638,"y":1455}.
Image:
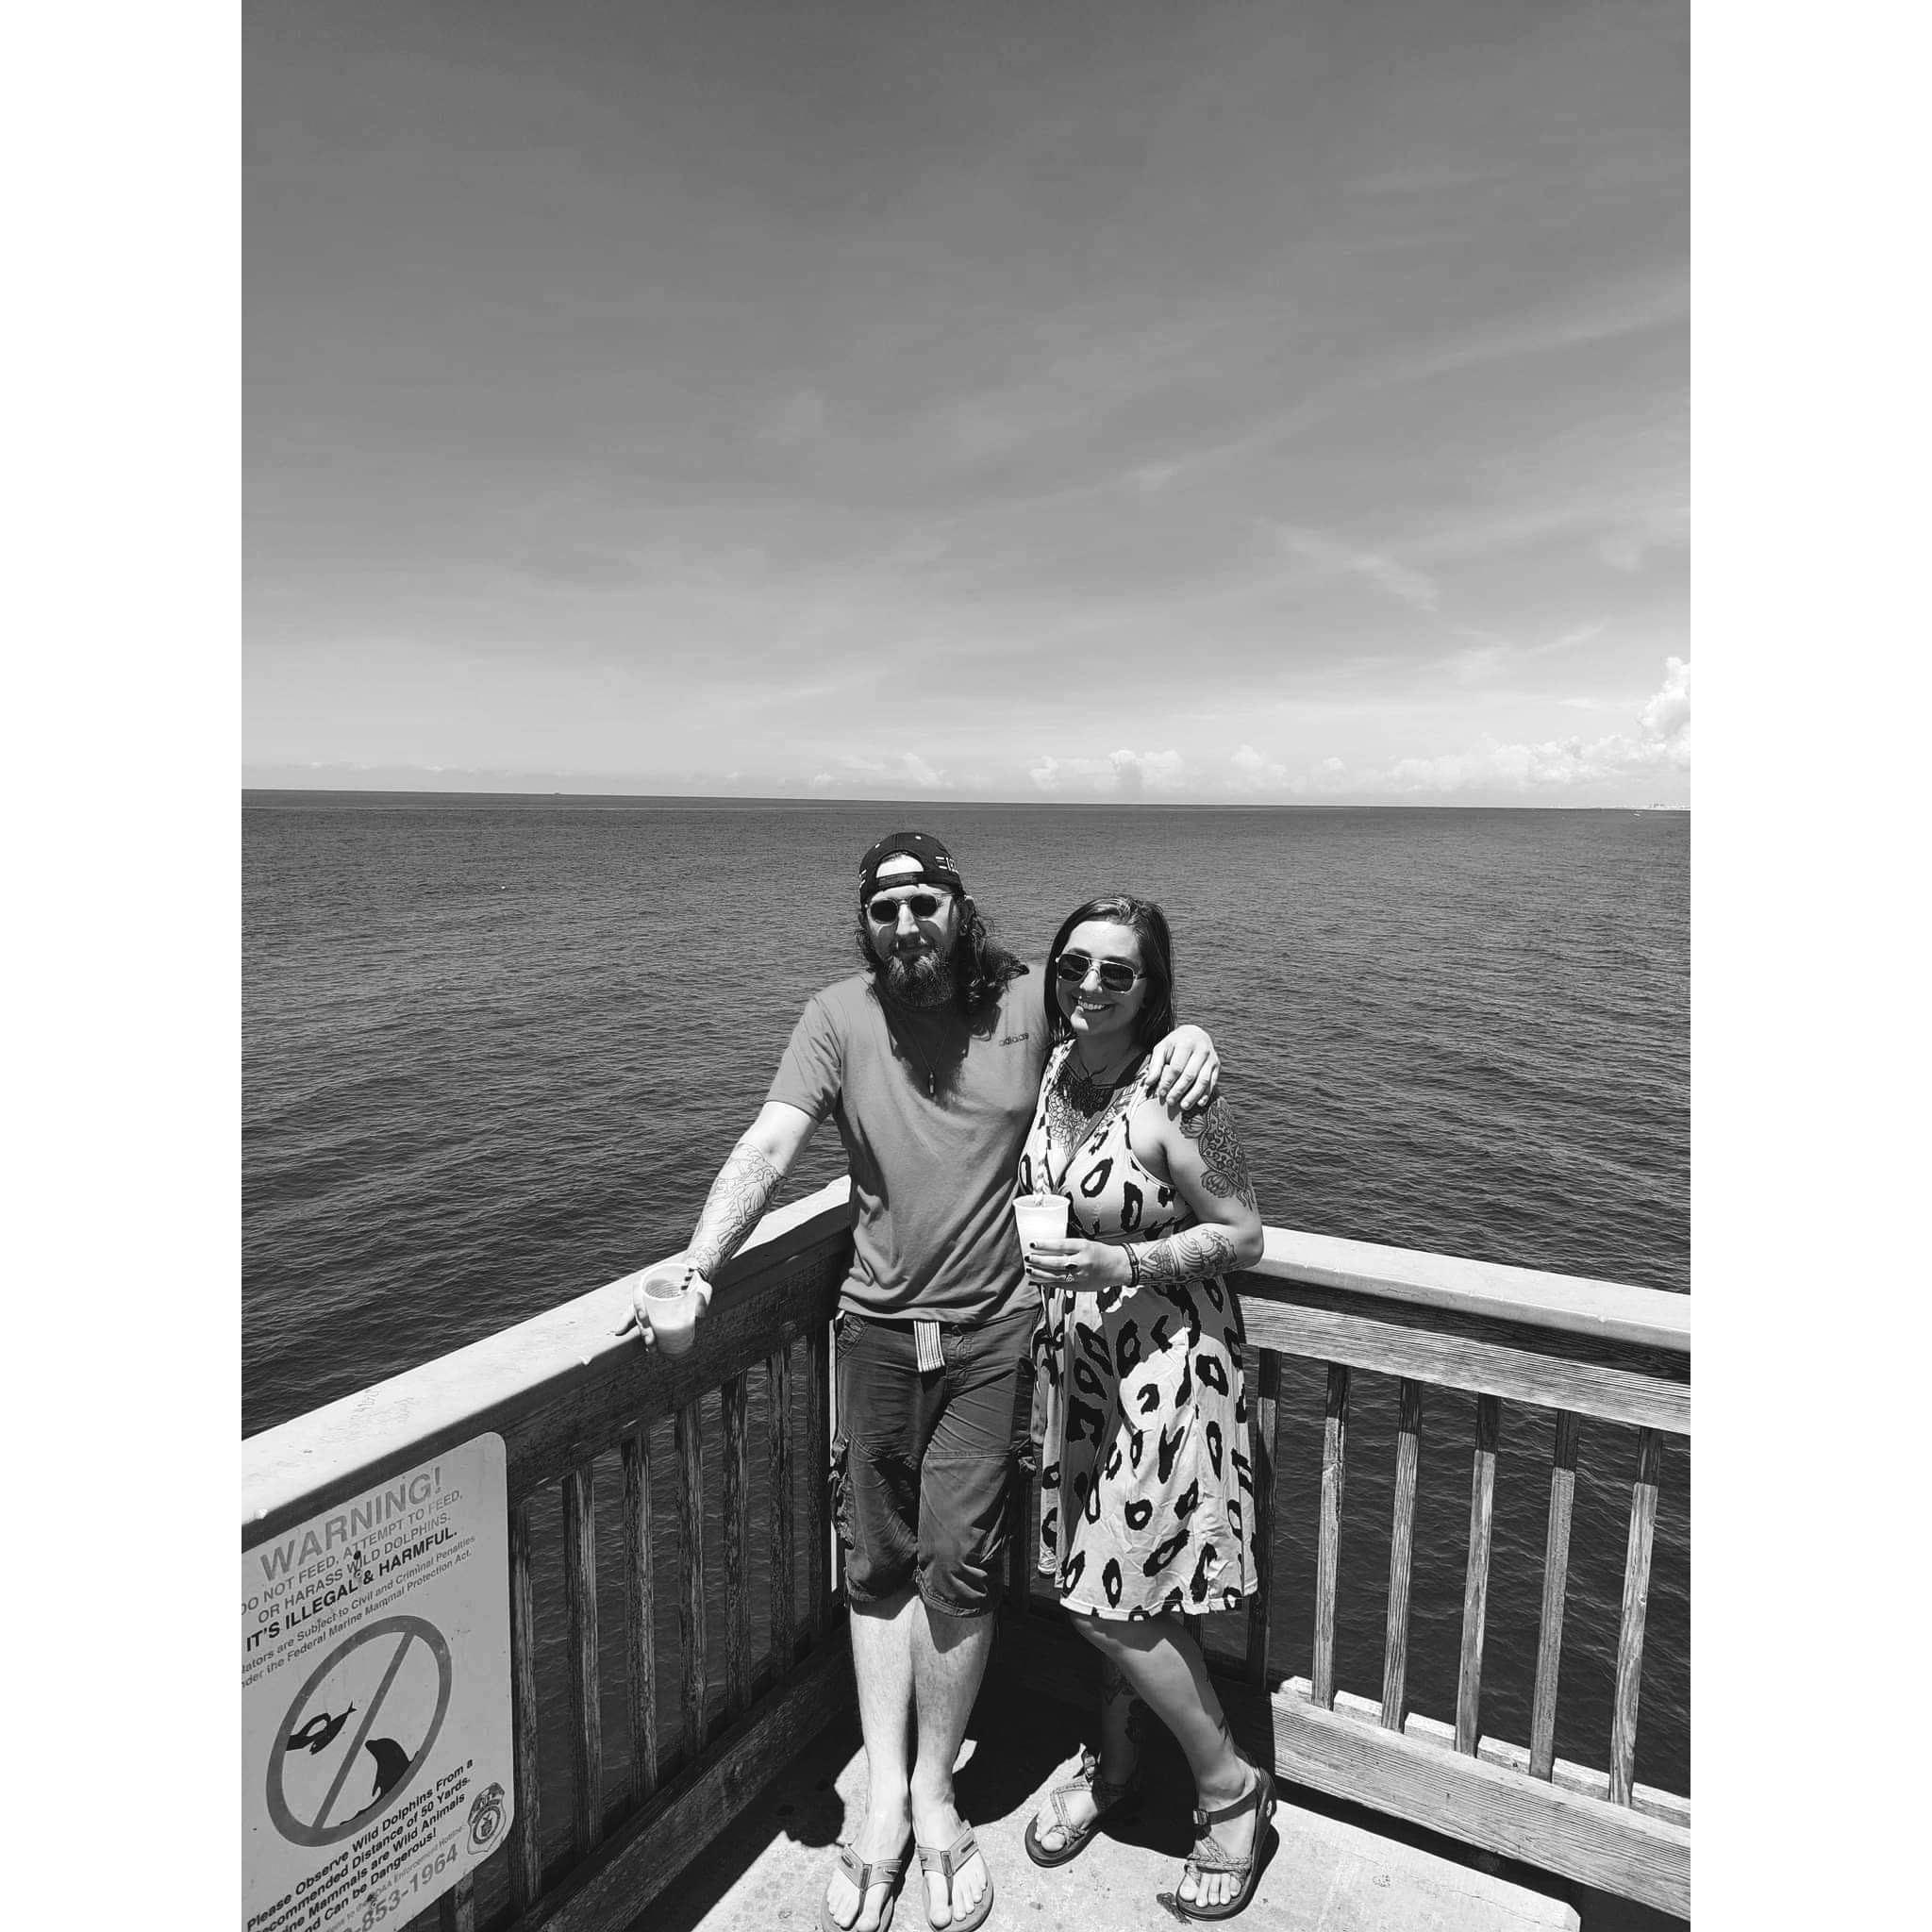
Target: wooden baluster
{"x":1475,"y":1584}
{"x":1549,"y":1647}
{"x":818,"y":1552}
{"x":526,"y":1854}
{"x":1630,"y":1626}
{"x":1022,"y":1543}
{"x":1328,"y":1552}
{"x":1409,"y":1431}
{"x":1019,"y":1539}
{"x":737,"y":1551}
{"x":581,"y":1603}
{"x":640,"y":1650}
{"x":691,"y":1594}
{"x":457,"y":1908}
{"x":778,"y":1474}
{"x":1264,"y":1452}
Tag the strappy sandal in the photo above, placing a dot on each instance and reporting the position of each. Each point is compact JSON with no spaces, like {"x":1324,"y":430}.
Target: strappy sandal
{"x":945,"y":1863}
{"x":1209,"y":1854}
{"x":1107,"y":1795}
{"x":886,"y":1872}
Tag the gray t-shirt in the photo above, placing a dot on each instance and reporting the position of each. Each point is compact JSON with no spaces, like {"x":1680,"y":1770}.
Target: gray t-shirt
{"x":932,"y":1109}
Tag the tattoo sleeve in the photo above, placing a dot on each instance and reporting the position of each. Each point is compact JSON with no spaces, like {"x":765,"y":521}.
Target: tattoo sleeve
{"x":1189,"y":1256}
{"x":745,"y":1183}
{"x":1226,"y":1164}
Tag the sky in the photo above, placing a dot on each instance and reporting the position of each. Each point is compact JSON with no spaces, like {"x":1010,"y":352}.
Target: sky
{"x":1257,"y":404}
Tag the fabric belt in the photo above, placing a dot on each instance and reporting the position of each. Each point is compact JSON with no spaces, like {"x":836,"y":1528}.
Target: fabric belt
{"x":927,"y":1336}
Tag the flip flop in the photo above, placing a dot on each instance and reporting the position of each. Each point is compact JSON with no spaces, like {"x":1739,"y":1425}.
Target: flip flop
{"x":931,"y":1859}
{"x":886,"y":1872}
{"x":1209,"y":1854}
{"x":1107,"y":1797}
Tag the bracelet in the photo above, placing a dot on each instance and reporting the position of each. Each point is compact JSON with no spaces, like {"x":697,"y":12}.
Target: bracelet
{"x":1133,"y":1264}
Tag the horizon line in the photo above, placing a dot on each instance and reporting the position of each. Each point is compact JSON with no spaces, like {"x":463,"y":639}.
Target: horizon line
{"x":932,"y":800}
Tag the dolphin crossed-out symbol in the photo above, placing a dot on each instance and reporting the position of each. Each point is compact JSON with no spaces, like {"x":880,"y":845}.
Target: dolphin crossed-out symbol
{"x":391,"y":1760}
{"x":403,"y":1638}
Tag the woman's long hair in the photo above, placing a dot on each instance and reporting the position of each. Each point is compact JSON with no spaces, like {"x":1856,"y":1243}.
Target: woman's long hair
{"x":981,"y":966}
{"x":1156,"y":1019}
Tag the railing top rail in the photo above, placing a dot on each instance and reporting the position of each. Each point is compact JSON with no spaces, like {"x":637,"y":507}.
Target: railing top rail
{"x":1614,"y":1310}
{"x":378,"y":1429}
{"x":372,"y":1432}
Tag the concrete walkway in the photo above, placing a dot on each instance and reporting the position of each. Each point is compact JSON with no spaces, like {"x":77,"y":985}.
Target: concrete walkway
{"x":1324,"y":1874}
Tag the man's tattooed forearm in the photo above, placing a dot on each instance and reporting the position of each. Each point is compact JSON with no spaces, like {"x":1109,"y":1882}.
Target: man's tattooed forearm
{"x":745,"y":1183}
{"x":1189,"y":1256}
{"x":1226,"y":1165}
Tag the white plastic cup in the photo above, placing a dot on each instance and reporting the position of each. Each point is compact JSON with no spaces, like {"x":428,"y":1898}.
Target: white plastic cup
{"x":1041,"y":1218}
{"x":670,"y":1305}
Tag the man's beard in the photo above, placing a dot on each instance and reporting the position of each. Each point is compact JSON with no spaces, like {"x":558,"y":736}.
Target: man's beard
{"x":924,"y":981}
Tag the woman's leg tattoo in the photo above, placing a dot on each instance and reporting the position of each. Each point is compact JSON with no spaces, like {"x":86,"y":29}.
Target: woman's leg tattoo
{"x":1116,"y":1693}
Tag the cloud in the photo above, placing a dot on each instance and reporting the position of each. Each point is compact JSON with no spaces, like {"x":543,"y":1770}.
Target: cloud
{"x":1158,"y":771}
{"x":1636,"y":535}
{"x":1254,"y":773}
{"x":1639,"y":305}
{"x":1123,"y":773}
{"x":1481,"y":661}
{"x":1330,"y":775}
{"x":1667,"y":716}
{"x":900,"y":768}
{"x":1660,"y":746}
{"x":1557,"y":763}
{"x":1334,"y":558}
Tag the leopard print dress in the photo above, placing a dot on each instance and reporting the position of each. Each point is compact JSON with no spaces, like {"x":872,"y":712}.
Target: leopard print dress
{"x":1147,"y":1486}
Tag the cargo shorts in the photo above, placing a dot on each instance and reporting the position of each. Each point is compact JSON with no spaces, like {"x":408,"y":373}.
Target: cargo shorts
{"x":924,"y":1460}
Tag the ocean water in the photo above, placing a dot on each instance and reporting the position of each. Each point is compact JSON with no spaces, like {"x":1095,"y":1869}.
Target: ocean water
{"x":495,"y":1048}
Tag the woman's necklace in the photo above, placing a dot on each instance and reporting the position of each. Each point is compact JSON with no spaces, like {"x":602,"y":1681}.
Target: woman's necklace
{"x":1078,"y":1098}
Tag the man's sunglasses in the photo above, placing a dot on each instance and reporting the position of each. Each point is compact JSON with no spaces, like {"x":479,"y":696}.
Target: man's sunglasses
{"x":886,"y":912}
{"x":1116,"y":975}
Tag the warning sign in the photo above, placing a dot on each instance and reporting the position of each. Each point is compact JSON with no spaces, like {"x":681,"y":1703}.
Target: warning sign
{"x":375,"y":1688}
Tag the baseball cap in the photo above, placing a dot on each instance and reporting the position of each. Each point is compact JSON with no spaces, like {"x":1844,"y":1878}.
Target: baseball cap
{"x":935,"y":865}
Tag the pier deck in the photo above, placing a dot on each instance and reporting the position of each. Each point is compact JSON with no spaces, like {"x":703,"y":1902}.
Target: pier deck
{"x":729,"y":1805}
{"x":767,"y":1871}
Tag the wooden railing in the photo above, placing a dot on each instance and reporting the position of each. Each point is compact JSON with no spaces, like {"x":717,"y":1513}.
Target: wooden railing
{"x":1591,"y":1351}
{"x":562,"y":1388}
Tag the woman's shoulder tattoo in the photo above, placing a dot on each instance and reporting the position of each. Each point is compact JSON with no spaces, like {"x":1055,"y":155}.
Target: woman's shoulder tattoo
{"x":1225,"y":1165}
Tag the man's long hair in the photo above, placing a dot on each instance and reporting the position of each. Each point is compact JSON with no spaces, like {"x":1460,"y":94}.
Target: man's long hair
{"x":982,"y":968}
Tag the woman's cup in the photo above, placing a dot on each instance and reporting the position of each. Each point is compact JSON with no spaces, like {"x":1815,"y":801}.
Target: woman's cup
{"x":669,"y":1304}
{"x":1041,"y":1218}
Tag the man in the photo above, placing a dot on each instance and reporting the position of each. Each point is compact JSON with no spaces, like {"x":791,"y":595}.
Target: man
{"x":930,"y":1063}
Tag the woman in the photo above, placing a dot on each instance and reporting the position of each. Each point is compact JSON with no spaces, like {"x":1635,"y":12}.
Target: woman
{"x":1147,"y":1484}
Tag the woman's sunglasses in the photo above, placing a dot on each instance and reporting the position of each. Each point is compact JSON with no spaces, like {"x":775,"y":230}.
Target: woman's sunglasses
{"x":886,"y":912}
{"x":1116,"y":975}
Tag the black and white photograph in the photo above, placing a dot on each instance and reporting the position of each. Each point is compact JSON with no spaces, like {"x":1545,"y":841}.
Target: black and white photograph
{"x":965,"y":965}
